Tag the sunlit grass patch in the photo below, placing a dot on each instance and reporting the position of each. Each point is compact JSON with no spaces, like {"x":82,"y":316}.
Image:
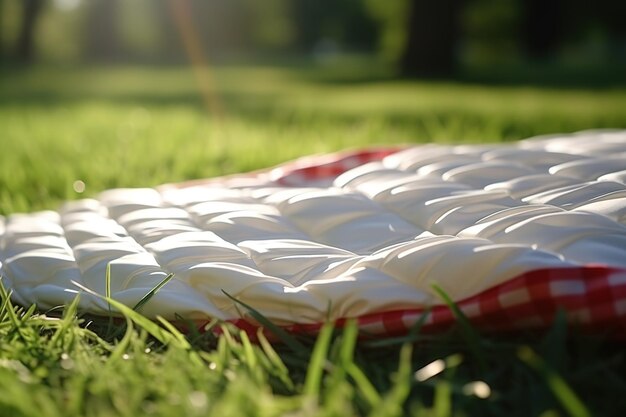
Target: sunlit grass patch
{"x":68,"y":366}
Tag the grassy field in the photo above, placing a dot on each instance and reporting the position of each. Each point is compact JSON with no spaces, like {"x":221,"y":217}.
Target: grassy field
{"x":131,"y":126}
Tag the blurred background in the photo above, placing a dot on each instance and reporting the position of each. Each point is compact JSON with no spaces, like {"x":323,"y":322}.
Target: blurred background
{"x":97,"y":94}
{"x":413,"y":37}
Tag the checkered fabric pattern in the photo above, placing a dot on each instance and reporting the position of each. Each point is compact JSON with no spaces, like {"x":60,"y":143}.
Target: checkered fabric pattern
{"x":513,"y":233}
{"x":592,"y":299}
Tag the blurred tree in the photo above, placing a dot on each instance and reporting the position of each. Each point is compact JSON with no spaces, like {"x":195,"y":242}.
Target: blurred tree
{"x":596,"y":29}
{"x":432,"y":37}
{"x":223,"y":25}
{"x":25,"y":48}
{"x":308,"y":16}
{"x":542,"y":26}
{"x":168,"y":44}
{"x":358,"y":28}
{"x":102,"y":32}
{"x":613,"y":14}
{"x":491,"y":33}
{"x":272,"y":28}
{"x":148,"y":31}
{"x":345,"y":22}
{"x":391,"y":17}
{"x":140,"y":30}
{"x":1,"y":31}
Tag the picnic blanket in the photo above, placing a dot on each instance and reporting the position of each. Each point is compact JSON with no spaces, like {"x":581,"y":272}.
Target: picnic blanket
{"x":511,"y":232}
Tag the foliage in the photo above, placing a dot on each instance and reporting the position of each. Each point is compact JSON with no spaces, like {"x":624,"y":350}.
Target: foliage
{"x":144,"y":30}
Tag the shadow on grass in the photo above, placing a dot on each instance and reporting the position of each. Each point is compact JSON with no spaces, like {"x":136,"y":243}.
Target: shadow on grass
{"x":552,"y":76}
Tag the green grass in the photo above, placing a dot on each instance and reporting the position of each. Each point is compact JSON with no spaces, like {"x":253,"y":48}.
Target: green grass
{"x":122,"y":127}
{"x":140,"y":127}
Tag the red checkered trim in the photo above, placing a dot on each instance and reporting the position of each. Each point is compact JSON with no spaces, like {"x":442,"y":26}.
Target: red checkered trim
{"x":592,"y":297}
{"x":303,"y":172}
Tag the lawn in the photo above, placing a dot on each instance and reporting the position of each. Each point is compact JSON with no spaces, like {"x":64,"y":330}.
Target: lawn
{"x":132,"y":126}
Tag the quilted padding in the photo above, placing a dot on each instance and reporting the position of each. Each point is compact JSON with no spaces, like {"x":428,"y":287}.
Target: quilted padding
{"x":511,"y":232}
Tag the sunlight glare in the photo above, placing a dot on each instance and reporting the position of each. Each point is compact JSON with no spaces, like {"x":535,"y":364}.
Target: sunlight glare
{"x":479,"y":389}
{"x":79,"y":186}
{"x":430,"y":370}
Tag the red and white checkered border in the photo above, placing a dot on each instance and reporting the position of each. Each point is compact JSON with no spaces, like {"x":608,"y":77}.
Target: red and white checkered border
{"x":592,"y":297}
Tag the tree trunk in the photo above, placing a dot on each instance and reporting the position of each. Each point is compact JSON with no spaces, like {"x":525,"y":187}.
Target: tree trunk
{"x":25,"y":51}
{"x":542,"y":27}
{"x":309,"y":17}
{"x":2,"y":48}
{"x":1,"y":38}
{"x":432,"y":35}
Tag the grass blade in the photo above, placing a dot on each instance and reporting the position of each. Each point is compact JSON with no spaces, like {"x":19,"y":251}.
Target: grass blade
{"x":281,"y":370}
{"x":180,"y":338}
{"x":68,"y":320}
{"x":285,"y":337}
{"x":107,"y":283}
{"x":181,"y":341}
{"x":10,"y":310}
{"x":391,"y":404}
{"x":315,"y":371}
{"x":346,"y":354}
{"x":349,"y":337}
{"x":122,"y":346}
{"x":561,"y":390}
{"x":152,"y":292}
{"x":148,"y":325}
{"x":442,"y":403}
{"x":472,"y":338}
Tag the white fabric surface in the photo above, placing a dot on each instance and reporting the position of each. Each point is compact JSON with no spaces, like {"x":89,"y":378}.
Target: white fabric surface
{"x":466,"y":217}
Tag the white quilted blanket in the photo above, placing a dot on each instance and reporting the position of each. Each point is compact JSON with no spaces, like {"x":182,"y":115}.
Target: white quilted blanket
{"x":305,"y":242}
